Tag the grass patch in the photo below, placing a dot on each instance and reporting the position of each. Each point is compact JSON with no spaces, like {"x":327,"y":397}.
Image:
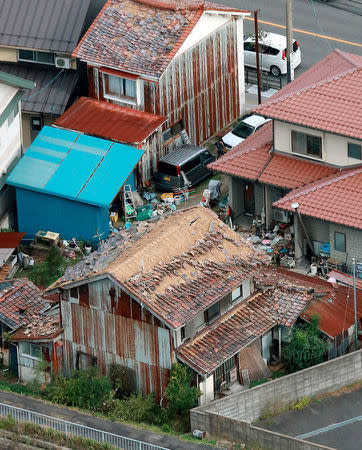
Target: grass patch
{"x":49,"y":435}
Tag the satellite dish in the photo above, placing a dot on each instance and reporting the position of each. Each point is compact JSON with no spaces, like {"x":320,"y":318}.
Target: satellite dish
{"x":295,"y":205}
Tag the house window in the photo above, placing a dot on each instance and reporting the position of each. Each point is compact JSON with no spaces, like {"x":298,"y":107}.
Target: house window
{"x":172,"y":131}
{"x":83,"y":361}
{"x":74,"y":292}
{"x":354,"y":151}
{"x":306,"y":144}
{"x":212,"y":312}
{"x":340,"y":242}
{"x":13,"y":114}
{"x":183,"y":333}
{"x":119,"y":88}
{"x":34,"y":56}
{"x":236,"y":293}
{"x":29,"y":349}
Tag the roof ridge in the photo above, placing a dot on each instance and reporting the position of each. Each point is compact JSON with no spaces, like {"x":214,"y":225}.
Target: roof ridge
{"x":318,"y":184}
{"x":307,"y":88}
{"x":347,"y":57}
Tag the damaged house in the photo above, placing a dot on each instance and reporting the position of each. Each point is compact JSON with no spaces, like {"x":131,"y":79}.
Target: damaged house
{"x":304,"y":168}
{"x":153,"y":295}
{"x":183,"y":61}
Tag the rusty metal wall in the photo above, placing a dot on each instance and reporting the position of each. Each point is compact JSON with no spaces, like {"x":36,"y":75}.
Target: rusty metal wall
{"x":200,"y":86}
{"x":103,"y":324}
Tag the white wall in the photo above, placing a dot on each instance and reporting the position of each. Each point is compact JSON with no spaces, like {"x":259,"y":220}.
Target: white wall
{"x":206,"y":25}
{"x":10,"y":142}
{"x":334,"y":147}
{"x":207,"y":389}
{"x":6,"y":94}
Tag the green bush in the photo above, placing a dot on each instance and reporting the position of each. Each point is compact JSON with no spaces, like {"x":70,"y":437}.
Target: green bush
{"x":86,"y":389}
{"x":51,"y":269}
{"x":306,"y":348}
{"x":123,"y":380}
{"x":136,"y":409}
{"x":181,"y":396}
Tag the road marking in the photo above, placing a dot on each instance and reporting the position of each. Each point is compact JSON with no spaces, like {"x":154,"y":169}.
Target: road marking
{"x":323,"y":36}
{"x":329,"y":428}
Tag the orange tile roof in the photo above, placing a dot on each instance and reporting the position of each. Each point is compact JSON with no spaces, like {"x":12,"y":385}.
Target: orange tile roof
{"x":109,"y":121}
{"x":254,"y":159}
{"x":44,"y":327}
{"x":336,"y":198}
{"x":248,"y":159}
{"x":141,"y":36}
{"x":322,"y":99}
{"x":290,"y":172}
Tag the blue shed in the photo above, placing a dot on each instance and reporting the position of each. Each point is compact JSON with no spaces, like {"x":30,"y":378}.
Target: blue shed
{"x":66,"y":182}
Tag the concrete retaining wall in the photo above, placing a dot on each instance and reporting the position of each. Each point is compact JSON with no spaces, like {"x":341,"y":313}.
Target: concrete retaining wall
{"x":230,"y":417}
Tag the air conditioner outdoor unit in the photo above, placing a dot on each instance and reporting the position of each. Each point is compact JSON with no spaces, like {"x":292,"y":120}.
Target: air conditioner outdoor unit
{"x":62,"y":62}
{"x":281,"y":216}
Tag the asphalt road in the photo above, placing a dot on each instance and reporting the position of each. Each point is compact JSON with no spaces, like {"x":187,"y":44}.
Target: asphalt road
{"x":310,"y":16}
{"x":332,"y":410}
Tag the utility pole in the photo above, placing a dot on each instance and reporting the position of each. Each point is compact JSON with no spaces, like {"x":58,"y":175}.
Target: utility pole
{"x":289,"y":23}
{"x":257,"y":54}
{"x":355,"y":303}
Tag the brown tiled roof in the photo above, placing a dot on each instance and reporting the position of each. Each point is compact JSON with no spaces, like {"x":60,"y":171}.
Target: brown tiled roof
{"x":336,"y":198}
{"x":323,"y":98}
{"x":290,"y":172}
{"x":255,"y":159}
{"x":248,"y":159}
{"x":109,"y":121}
{"x":44,"y":327}
{"x":177,"y":266}
{"x":20,"y":302}
{"x":141,"y":36}
{"x":283,"y":297}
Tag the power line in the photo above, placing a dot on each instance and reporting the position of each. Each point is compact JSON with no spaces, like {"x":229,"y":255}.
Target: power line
{"x":46,"y":87}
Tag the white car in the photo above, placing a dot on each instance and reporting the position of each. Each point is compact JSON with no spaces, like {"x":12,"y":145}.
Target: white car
{"x":273,"y":53}
{"x":243,"y":129}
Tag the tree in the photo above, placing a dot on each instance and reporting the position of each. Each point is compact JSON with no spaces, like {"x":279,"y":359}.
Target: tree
{"x":306,"y":348}
{"x":179,"y":392}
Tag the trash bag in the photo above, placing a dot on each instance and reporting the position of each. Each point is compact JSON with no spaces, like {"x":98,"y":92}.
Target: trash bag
{"x":214,"y":187}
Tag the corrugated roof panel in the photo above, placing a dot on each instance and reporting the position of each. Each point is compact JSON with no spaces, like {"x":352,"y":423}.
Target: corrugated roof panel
{"x":52,"y":91}
{"x":53,"y":25}
{"x":118,"y":163}
{"x":75,"y":170}
{"x":78,"y":167}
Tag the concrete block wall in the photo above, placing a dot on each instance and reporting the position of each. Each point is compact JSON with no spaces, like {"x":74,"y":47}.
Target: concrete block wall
{"x":329,"y":376}
{"x":242,"y":432}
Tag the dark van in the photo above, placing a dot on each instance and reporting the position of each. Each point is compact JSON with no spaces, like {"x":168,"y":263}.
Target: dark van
{"x":189,"y":159}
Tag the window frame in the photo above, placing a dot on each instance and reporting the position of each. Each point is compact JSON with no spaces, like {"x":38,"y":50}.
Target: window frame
{"x":307,"y":145}
{"x":349,"y":150}
{"x":35,"y":58}
{"x":122,"y":97}
{"x":335,"y":242}
{"x":240,"y":289}
{"x":208,"y":318}
{"x":32,"y":350}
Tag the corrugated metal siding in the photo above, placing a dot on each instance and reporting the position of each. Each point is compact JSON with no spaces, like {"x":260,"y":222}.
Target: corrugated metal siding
{"x":70,"y":219}
{"x":200,"y":86}
{"x":100,"y":330}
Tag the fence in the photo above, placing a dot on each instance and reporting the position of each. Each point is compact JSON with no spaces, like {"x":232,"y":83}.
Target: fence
{"x":70,"y":428}
{"x":268,"y":81}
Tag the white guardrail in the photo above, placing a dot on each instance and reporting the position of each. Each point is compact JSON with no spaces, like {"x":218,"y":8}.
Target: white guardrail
{"x":70,"y":428}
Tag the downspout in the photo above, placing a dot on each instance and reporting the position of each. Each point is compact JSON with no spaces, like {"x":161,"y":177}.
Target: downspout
{"x":295,"y":206}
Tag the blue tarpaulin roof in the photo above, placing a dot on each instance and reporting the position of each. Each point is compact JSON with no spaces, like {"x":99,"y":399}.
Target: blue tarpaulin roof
{"x":75,"y":166}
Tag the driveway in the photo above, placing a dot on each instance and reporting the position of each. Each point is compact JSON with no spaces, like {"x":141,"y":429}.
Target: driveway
{"x":341,"y":416}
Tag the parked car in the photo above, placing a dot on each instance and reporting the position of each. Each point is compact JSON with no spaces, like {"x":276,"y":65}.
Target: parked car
{"x":273,"y":53}
{"x":243,"y":129}
{"x":190,"y":160}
